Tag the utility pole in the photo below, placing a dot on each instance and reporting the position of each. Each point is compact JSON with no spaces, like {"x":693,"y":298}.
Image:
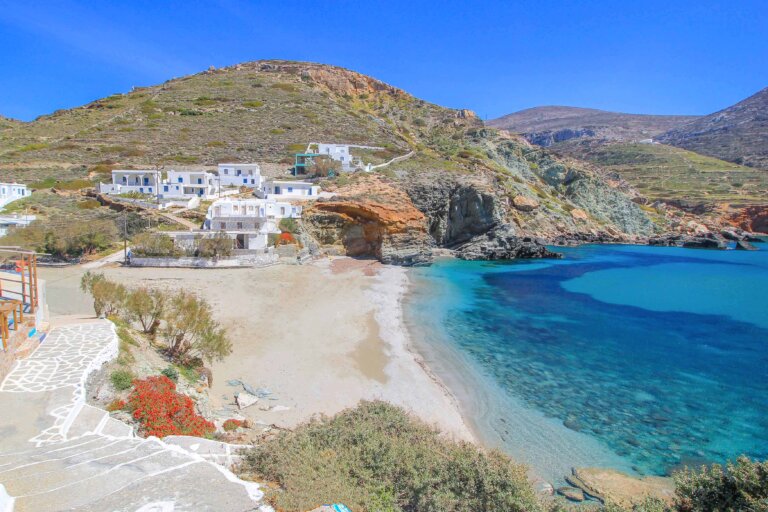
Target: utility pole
{"x":125,"y":237}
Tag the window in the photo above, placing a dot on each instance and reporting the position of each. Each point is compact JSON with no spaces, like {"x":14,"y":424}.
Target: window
{"x":226,"y":171}
{"x":239,"y":225}
{"x":282,"y":210}
{"x":222,"y":225}
{"x":290,"y":190}
{"x":125,"y":179}
{"x":180,"y":179}
{"x":235,"y":208}
{"x":199,"y":181}
{"x":245,"y":181}
{"x":165,"y":188}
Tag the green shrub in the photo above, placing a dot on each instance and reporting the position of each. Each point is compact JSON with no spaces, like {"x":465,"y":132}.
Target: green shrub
{"x":376,"y":457}
{"x":121,"y":379}
{"x":277,"y":131}
{"x":154,"y":244}
{"x":742,"y":485}
{"x":253,"y":104}
{"x":288,"y":225}
{"x":171,"y":373}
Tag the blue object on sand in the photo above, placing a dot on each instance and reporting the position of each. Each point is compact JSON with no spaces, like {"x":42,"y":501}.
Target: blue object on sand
{"x":338,"y":507}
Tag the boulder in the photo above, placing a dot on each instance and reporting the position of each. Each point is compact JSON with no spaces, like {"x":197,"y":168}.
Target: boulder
{"x":525,"y":204}
{"x":501,"y":243}
{"x":244,"y":400}
{"x":743,"y":245}
{"x":579,"y":214}
{"x":620,"y":488}
{"x":571,"y":493}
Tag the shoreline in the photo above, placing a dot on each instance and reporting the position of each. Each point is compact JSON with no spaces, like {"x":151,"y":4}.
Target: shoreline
{"x":321,"y":337}
{"x":498,"y":420}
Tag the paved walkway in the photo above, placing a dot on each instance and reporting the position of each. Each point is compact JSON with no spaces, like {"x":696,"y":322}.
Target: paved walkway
{"x":58,"y":453}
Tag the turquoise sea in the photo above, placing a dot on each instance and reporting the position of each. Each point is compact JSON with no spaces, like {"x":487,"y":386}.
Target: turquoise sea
{"x":638,"y":358}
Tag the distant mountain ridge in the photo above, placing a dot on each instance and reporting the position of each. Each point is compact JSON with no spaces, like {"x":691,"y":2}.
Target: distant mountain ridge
{"x":545,"y":126}
{"x":737,"y":134}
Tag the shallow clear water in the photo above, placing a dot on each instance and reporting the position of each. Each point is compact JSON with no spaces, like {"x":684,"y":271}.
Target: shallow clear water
{"x":658,"y":354}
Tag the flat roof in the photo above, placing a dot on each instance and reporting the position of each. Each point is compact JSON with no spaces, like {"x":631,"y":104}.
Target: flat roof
{"x":290,"y":182}
{"x":230,"y":163}
{"x":135,"y":170}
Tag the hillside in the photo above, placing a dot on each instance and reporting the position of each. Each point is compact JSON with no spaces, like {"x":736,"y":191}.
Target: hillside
{"x":476,"y":189}
{"x":737,"y":134}
{"x":6,"y":122}
{"x":549,"y":125}
{"x":667,"y":173}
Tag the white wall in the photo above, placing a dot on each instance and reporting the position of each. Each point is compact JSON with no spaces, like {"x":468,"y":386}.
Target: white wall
{"x":240,"y":175}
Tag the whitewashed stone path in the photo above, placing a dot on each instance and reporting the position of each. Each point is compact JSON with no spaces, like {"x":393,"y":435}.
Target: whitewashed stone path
{"x":58,"y":453}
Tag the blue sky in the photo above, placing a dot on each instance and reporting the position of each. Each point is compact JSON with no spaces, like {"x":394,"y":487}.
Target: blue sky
{"x":494,"y":57}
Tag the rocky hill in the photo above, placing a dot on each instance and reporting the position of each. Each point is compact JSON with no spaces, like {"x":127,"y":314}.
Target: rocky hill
{"x":670,"y":174}
{"x":737,"y":134}
{"x":478,"y":190}
{"x":545,"y":126}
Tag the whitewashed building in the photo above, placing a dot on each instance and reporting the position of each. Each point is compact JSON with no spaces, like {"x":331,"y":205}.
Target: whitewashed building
{"x":240,"y":175}
{"x":10,"y":192}
{"x":125,"y":181}
{"x":288,"y":189}
{"x":7,"y":222}
{"x":249,"y":221}
{"x":338,"y":152}
{"x":202,"y":184}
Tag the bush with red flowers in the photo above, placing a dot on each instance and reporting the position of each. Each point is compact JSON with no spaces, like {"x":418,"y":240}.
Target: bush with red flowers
{"x":162,"y":411}
{"x":232,"y":424}
{"x":286,"y":238}
{"x":116,"y":405}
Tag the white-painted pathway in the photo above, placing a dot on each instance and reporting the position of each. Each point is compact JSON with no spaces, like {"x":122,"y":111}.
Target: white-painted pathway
{"x":58,"y":453}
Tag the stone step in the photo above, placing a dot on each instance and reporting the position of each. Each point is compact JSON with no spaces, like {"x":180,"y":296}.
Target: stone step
{"x":116,"y":428}
{"x":181,"y":490}
{"x":88,"y":420}
{"x":55,"y":451}
{"x":34,"y":467}
{"x":56,"y":473}
{"x":87,"y":484}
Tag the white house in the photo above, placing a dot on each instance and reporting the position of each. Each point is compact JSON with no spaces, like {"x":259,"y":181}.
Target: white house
{"x":144,"y":181}
{"x":10,"y":221}
{"x":338,"y":152}
{"x":249,"y":221}
{"x":10,"y":192}
{"x":240,"y":175}
{"x":287,"y":189}
{"x":202,"y":184}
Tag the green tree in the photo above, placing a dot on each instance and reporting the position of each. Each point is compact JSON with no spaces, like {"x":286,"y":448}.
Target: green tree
{"x":190,"y":329}
{"x":146,"y":307}
{"x":217,"y":246}
{"x":154,"y":244}
{"x":108,"y":296}
{"x":740,"y":486}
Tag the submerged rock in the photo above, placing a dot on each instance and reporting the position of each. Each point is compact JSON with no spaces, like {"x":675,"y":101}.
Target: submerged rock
{"x":704,"y":241}
{"x":501,"y":243}
{"x":571,"y":493}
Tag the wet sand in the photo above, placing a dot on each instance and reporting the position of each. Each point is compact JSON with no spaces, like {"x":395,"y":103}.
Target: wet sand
{"x":320,"y":337}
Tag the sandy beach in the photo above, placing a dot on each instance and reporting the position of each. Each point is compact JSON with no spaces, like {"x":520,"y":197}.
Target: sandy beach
{"x":321,"y":337}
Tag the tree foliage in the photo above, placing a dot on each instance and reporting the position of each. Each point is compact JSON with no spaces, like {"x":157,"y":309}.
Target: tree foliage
{"x":108,"y":296}
{"x":146,"y":307}
{"x":217,"y":246}
{"x":154,"y":244}
{"x":190,"y":329}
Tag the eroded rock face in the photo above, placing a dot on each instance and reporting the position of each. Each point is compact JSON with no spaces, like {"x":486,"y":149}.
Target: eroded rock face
{"x":372,"y":219}
{"x":455,"y":211}
{"x":703,"y":241}
{"x":752,"y":218}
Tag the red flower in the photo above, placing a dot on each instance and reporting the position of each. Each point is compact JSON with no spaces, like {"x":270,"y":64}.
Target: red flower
{"x":162,"y":411}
